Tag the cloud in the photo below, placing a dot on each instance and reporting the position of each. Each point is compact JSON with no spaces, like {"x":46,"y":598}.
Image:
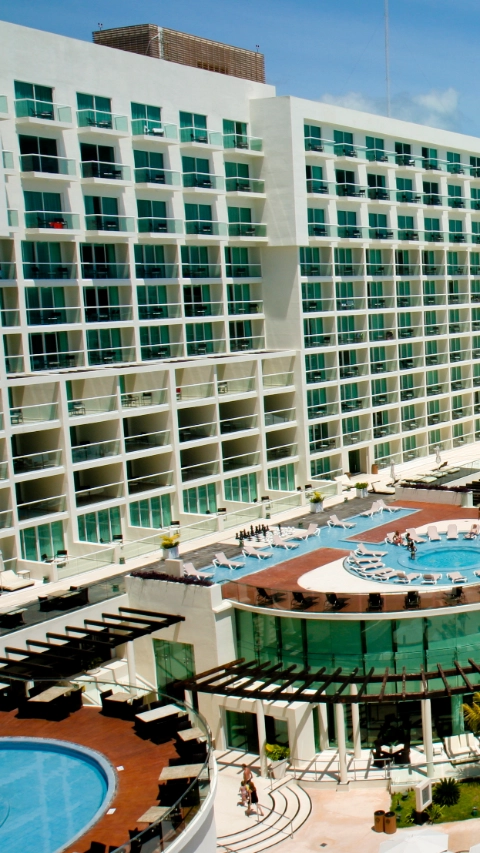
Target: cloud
{"x":436,"y":108}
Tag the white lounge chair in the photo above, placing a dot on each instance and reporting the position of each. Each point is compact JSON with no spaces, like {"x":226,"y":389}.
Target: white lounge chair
{"x":333,"y":521}
{"x":456,"y":577}
{"x":414,"y":536}
{"x":383,"y":574}
{"x":458,"y":745}
{"x":403,"y":577}
{"x":365,"y":567}
{"x":431,"y":578}
{"x":223,"y":562}
{"x":452,"y":532}
{"x":9,"y":581}
{"x":189,"y":569}
{"x":373,"y":509}
{"x":251,"y":551}
{"x":278,"y":542}
{"x":433,"y":533}
{"x":366,"y":559}
{"x":362,"y":551}
{"x":296,"y":533}
{"x":384,"y":506}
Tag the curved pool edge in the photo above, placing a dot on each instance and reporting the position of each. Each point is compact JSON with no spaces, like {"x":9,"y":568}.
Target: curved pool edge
{"x":92,"y":755}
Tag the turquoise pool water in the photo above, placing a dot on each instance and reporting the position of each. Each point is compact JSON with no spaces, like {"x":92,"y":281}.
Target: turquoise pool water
{"x":50,"y":792}
{"x":453,"y":557}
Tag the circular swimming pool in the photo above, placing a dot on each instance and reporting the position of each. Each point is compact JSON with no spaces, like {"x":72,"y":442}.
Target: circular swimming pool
{"x":50,"y":793}
{"x":447,"y":559}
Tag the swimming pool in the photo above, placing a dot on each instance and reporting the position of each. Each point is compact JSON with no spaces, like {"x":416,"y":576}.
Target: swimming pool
{"x":50,"y":793}
{"x":452,"y":557}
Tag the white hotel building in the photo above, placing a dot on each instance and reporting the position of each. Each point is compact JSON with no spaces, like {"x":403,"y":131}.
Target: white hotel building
{"x":210,"y":294}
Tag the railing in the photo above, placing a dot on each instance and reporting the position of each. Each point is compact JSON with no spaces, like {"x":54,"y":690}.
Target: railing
{"x":386,"y":399}
{"x":151,"y":127}
{"x":318,"y":340}
{"x":37,"y":461}
{"x":56,"y":360}
{"x":108,"y":171}
{"x":355,"y":337}
{"x":247,"y":229}
{"x":283,"y":451}
{"x":206,"y":227}
{"x":317,"y":270}
{"x":238,"y":424}
{"x":246,"y":307}
{"x":241,"y":460}
{"x":111,"y":355}
{"x":383,"y":366}
{"x":203,"y":180}
{"x":244,"y":185}
{"x":52,"y":316}
{"x":57,"y":221}
{"x":318,"y":229}
{"x":96,"y":494}
{"x":310,"y":306}
{"x":243,"y":271}
{"x":159,"y":225}
{"x":149,"y":482}
{"x":135,"y":399}
{"x":44,"y":110}
{"x":194,"y":432}
{"x":147,"y":175}
{"x":326,"y":374}
{"x":153,"y":353}
{"x":44,"y":506}
{"x":96,"y":450}
{"x":159,"y":312}
{"x":200,"y":470}
{"x":46,"y":164}
{"x":102,"y":119}
{"x":206,"y":347}
{"x":347,"y":270}
{"x":354,"y":303}
{"x":117,"y":271}
{"x":203,"y":309}
{"x":245,"y":344}
{"x":349,"y":371}
{"x":385,"y":429}
{"x":92,"y":405}
{"x":96,"y":222}
{"x":357,"y":437}
{"x":318,"y":186}
{"x":45,"y":270}
{"x":280,"y":416}
{"x":115,"y":313}
{"x":201,"y":270}
{"x":243,"y":385}
{"x":201,"y":135}
{"x":6,"y":520}
{"x":434,"y":299}
{"x":319,"y":445}
{"x":156,"y":270}
{"x":32,"y":414}
{"x":14,"y":364}
{"x":7,"y":271}
{"x":195,"y":392}
{"x":242,"y":142}
{"x":147,"y":441}
{"x":9,"y":317}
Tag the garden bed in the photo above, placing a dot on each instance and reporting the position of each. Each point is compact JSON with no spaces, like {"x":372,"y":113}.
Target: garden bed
{"x":469,"y":799}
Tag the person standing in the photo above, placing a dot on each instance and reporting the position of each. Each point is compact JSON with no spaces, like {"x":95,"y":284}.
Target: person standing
{"x":247,"y":774}
{"x":253,"y":799}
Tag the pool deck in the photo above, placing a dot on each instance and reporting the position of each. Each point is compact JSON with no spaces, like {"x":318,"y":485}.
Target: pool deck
{"x":137,"y":785}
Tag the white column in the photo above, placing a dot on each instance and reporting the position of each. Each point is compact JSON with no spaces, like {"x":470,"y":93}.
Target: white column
{"x":132,"y":669}
{"x":427,"y":735}
{"x":341,"y":742}
{"x":357,"y":741}
{"x":262,"y":736}
{"x":323,"y":725}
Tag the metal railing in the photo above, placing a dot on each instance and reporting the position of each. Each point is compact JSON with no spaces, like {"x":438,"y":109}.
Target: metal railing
{"x":153,"y":128}
{"x":43,"y":110}
{"x":159,"y":177}
{"x":95,"y":450}
{"x":47,"y":164}
{"x":105,"y":171}
{"x":92,"y":405}
{"x":102,"y":119}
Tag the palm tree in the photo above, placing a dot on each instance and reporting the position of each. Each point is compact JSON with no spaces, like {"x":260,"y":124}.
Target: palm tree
{"x":472,"y":714}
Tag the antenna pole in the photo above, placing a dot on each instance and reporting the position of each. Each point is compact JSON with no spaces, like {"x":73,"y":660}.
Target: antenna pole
{"x":387,"y":59}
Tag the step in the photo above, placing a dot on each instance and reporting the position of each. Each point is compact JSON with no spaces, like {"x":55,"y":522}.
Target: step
{"x":290,"y":808}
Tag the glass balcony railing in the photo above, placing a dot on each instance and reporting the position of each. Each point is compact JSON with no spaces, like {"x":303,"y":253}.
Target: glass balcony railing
{"x":277,"y":380}
{"x":97,"y":494}
{"x":44,"y":110}
{"x":156,"y":270}
{"x":159,"y":312}
{"x":205,"y":347}
{"x":243,"y":271}
{"x":44,"y":506}
{"x":159,"y":225}
{"x":388,"y":366}
{"x":102,"y":120}
{"x":116,"y":271}
{"x":147,"y":441}
{"x":318,"y":229}
{"x":92,"y":405}
{"x":247,"y":229}
{"x":246,"y":307}
{"x":353,"y":303}
{"x":280,"y":416}
{"x":351,"y":337}
{"x":385,"y":429}
{"x":328,"y":442}
{"x":378,"y":194}
{"x":203,"y":309}
{"x":350,"y":191}
{"x":436,"y":389}
{"x":195,"y":432}
{"x":437,"y":418}
{"x":349,"y":371}
{"x":96,"y":222}
{"x":432,"y":269}
{"x":238,"y":424}
{"x":107,"y":314}
{"x":203,"y":181}
{"x":242,"y":460}
{"x":412,"y":424}
{"x":7,"y":271}
{"x":105,"y":171}
{"x":457,"y":202}
{"x":244,"y":385}
{"x":9,"y":317}
{"x":407,"y":234}
{"x":354,"y":404}
{"x":111,"y":355}
{"x":242,"y":142}
{"x":37,"y":461}
{"x":285,"y":451}
{"x":40,"y":413}
{"x":244,"y":185}
{"x":157,"y":176}
{"x":57,"y":221}
{"x":47,"y":164}
{"x":88,"y":451}
{"x":149,"y":482}
{"x":408,"y":197}
{"x":316,"y":186}
{"x":56,"y":360}
{"x":407,"y":269}
{"x":200,"y":135}
{"x":201,"y":270}
{"x":206,"y":227}
{"x":319,"y":340}
{"x":326,"y":374}
{"x":247,"y":343}
{"x":151,"y":127}
{"x":152,"y":353}
{"x":14,"y":364}
{"x":139,"y":399}
{"x":51,"y":271}
{"x":6,"y":520}
{"x":310,"y":306}
{"x":413,"y":393}
{"x":357,"y":437}
{"x":433,"y":199}
{"x":434,"y":299}
{"x":386,"y":399}
{"x":456,"y":237}
{"x":433,"y":236}
{"x":52,"y":316}
{"x":7,"y":158}
{"x":195,"y":392}
{"x":3,"y":105}
{"x":322,"y":411}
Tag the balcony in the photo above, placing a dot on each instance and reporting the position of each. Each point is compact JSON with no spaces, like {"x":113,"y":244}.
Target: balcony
{"x":456,"y":202}
{"x":57,"y":221}
{"x":238,"y":424}
{"x":413,"y":423}
{"x":433,"y":236}
{"x":436,"y":358}
{"x":43,"y":111}
{"x":159,"y":312}
{"x":433,"y":199}
{"x":350,"y":232}
{"x":318,"y":229}
{"x":407,"y":269}
{"x":40,"y":413}
{"x":105,"y":171}
{"x":150,"y":482}
{"x":349,"y":371}
{"x":318,"y":341}
{"x":280,"y":416}
{"x":246,"y":307}
{"x":375,"y":303}
{"x":245,"y":385}
{"x":107,"y":314}
{"x":380,"y":234}
{"x":96,"y":222}
{"x":434,"y":299}
{"x":354,"y":303}
{"x":378,"y":194}
{"x":206,"y":227}
{"x":457,"y":237}
{"x":328,"y":374}
{"x":382,"y":335}
{"x":9,"y":317}
{"x":14,"y":364}
{"x":46,"y":164}
{"x":200,"y":471}
{"x":159,"y":225}
{"x":435,"y":330}
{"x":319,"y":270}
{"x":407,"y":234}
{"x":357,"y":437}
{"x":316,"y":186}
{"x":92,"y":406}
{"x":351,"y":338}
{"x":322,"y":411}
{"x":205,"y":347}
{"x":242,"y":142}
{"x":412,"y":393}
{"x":405,"y":160}
{"x":105,"y":271}
{"x":247,"y":343}
{"x":56,"y":360}
{"x":147,"y":441}
{"x":326,"y":443}
{"x":242,"y":271}
{"x":277,"y":380}
{"x":389,"y":366}
{"x":200,"y":135}
{"x":353,"y":405}
{"x":111,"y":355}
{"x":7,"y":271}
{"x":243,"y":460}
{"x":387,"y":399}
{"x":44,"y":506}
{"x":344,"y":149}
{"x":284,"y":451}
{"x":158,"y":177}
{"x":385,"y":429}
{"x":156,"y":270}
{"x":350,"y":191}
{"x":459,"y":355}
{"x":52,"y":316}
{"x":408,"y":197}
{"x":152,"y":128}
{"x":203,"y":181}
{"x":50,"y":271}
{"x":97,"y":494}
{"x":348,"y":270}
{"x":248,"y":229}
{"x":201,"y":270}
{"x":37,"y":461}
{"x":437,"y":418}
{"x":197,"y":432}
{"x":463,"y":412}
{"x":102,"y":120}
{"x":245,"y":185}
{"x":139,"y":399}
{"x":432,"y":269}
{"x":406,"y":331}
{"x":310,"y":306}
{"x":436,"y":389}
{"x":203,"y":309}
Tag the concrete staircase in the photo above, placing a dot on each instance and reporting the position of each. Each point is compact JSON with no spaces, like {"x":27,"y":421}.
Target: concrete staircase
{"x":286,"y":808}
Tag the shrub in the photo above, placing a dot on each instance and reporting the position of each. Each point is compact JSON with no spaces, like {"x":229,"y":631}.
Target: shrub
{"x":153,"y":575}
{"x":361,"y":485}
{"x":170,"y":541}
{"x":435,"y":812}
{"x":446,"y":792}
{"x":275,"y":752}
{"x":316,"y":498}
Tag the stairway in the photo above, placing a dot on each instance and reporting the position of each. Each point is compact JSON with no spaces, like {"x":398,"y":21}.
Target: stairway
{"x":286,"y":808}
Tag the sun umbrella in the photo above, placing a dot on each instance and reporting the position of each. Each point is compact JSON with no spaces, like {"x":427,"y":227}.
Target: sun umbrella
{"x":416,"y":841}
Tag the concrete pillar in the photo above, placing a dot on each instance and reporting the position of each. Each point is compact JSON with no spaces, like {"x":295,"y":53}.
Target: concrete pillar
{"x":323,"y":726}
{"x":132,"y":670}
{"x":427,"y":735}
{"x":341,"y":741}
{"x":262,"y":736}
{"x":357,"y":742}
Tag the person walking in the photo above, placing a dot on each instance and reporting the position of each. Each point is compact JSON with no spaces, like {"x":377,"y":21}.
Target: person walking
{"x":253,"y":799}
{"x":247,"y":774}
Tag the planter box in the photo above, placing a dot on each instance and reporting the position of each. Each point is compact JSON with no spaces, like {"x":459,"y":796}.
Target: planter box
{"x":318,"y":507}
{"x":278,"y":769}
{"x":170,"y":553}
{"x":361,"y":493}
{"x":432,"y":496}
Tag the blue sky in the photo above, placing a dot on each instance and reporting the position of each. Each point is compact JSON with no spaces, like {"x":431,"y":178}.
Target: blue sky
{"x":321,"y":49}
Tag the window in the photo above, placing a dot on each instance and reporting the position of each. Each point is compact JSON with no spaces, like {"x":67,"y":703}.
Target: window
{"x":38,"y":206}
{"x":150,"y":262}
{"x":475,"y":167}
{"x":313,"y":137}
{"x":145,"y":119}
{"x":347,"y":222}
{"x":346,"y":185}
{"x":42,"y":260}
{"x":38,"y":154}
{"x":234,"y":134}
{"x":405,"y":191}
{"x":455,"y":196}
{"x":430,"y":158}
{"x":154,"y":342}
{"x":33,"y":100}
{"x":382,"y":451}
{"x":316,"y":222}
{"x":309,"y":260}
{"x":149,"y":168}
{"x":45,"y":304}
{"x":240,"y":332}
{"x":432,"y":224}
{"x":42,"y":542}
{"x":151,"y":512}
{"x":94,"y":111}
{"x":199,"y":338}
{"x":282,"y":478}
{"x":376,"y":149}
{"x":238,"y":177}
{"x":403,"y":154}
{"x":196,"y":172}
{"x":405,"y":225}
{"x":152,"y":216}
{"x":242,"y":488}
{"x":378,"y":225}
{"x":344,"y":143}
{"x":201,"y":500}
{"x":377,"y":188}
{"x":455,"y":228}
{"x":173,"y":662}
{"x":100,"y":526}
{"x":98,"y":160}
{"x":104,"y":345}
{"x":98,"y":261}
{"x":454,"y":165}
{"x":199,"y":219}
{"x":195,"y":261}
{"x":193,"y":128}
{"x":315,"y":183}
{"x":101,"y":214}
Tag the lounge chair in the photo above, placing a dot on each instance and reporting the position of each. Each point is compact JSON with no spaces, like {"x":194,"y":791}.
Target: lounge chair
{"x":456,"y":577}
{"x":458,"y":745}
{"x":384,"y":506}
{"x":312,"y":530}
{"x":403,"y":577}
{"x":189,"y":569}
{"x":382,"y":490}
{"x":373,"y":509}
{"x":365,"y":567}
{"x":278,"y":542}
{"x":221,"y":561}
{"x":431,"y":578}
{"x":433,"y":533}
{"x":251,"y":551}
{"x":452,"y":532}
{"x":362,"y":551}
{"x":362,"y":560}
{"x":414,"y":536}
{"x":333,"y":521}
{"x":9,"y":581}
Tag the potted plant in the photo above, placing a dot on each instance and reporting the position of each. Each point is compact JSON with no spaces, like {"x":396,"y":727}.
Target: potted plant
{"x":316,"y":501}
{"x":170,"y":546}
{"x":361,"y":490}
{"x":279,"y":759}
